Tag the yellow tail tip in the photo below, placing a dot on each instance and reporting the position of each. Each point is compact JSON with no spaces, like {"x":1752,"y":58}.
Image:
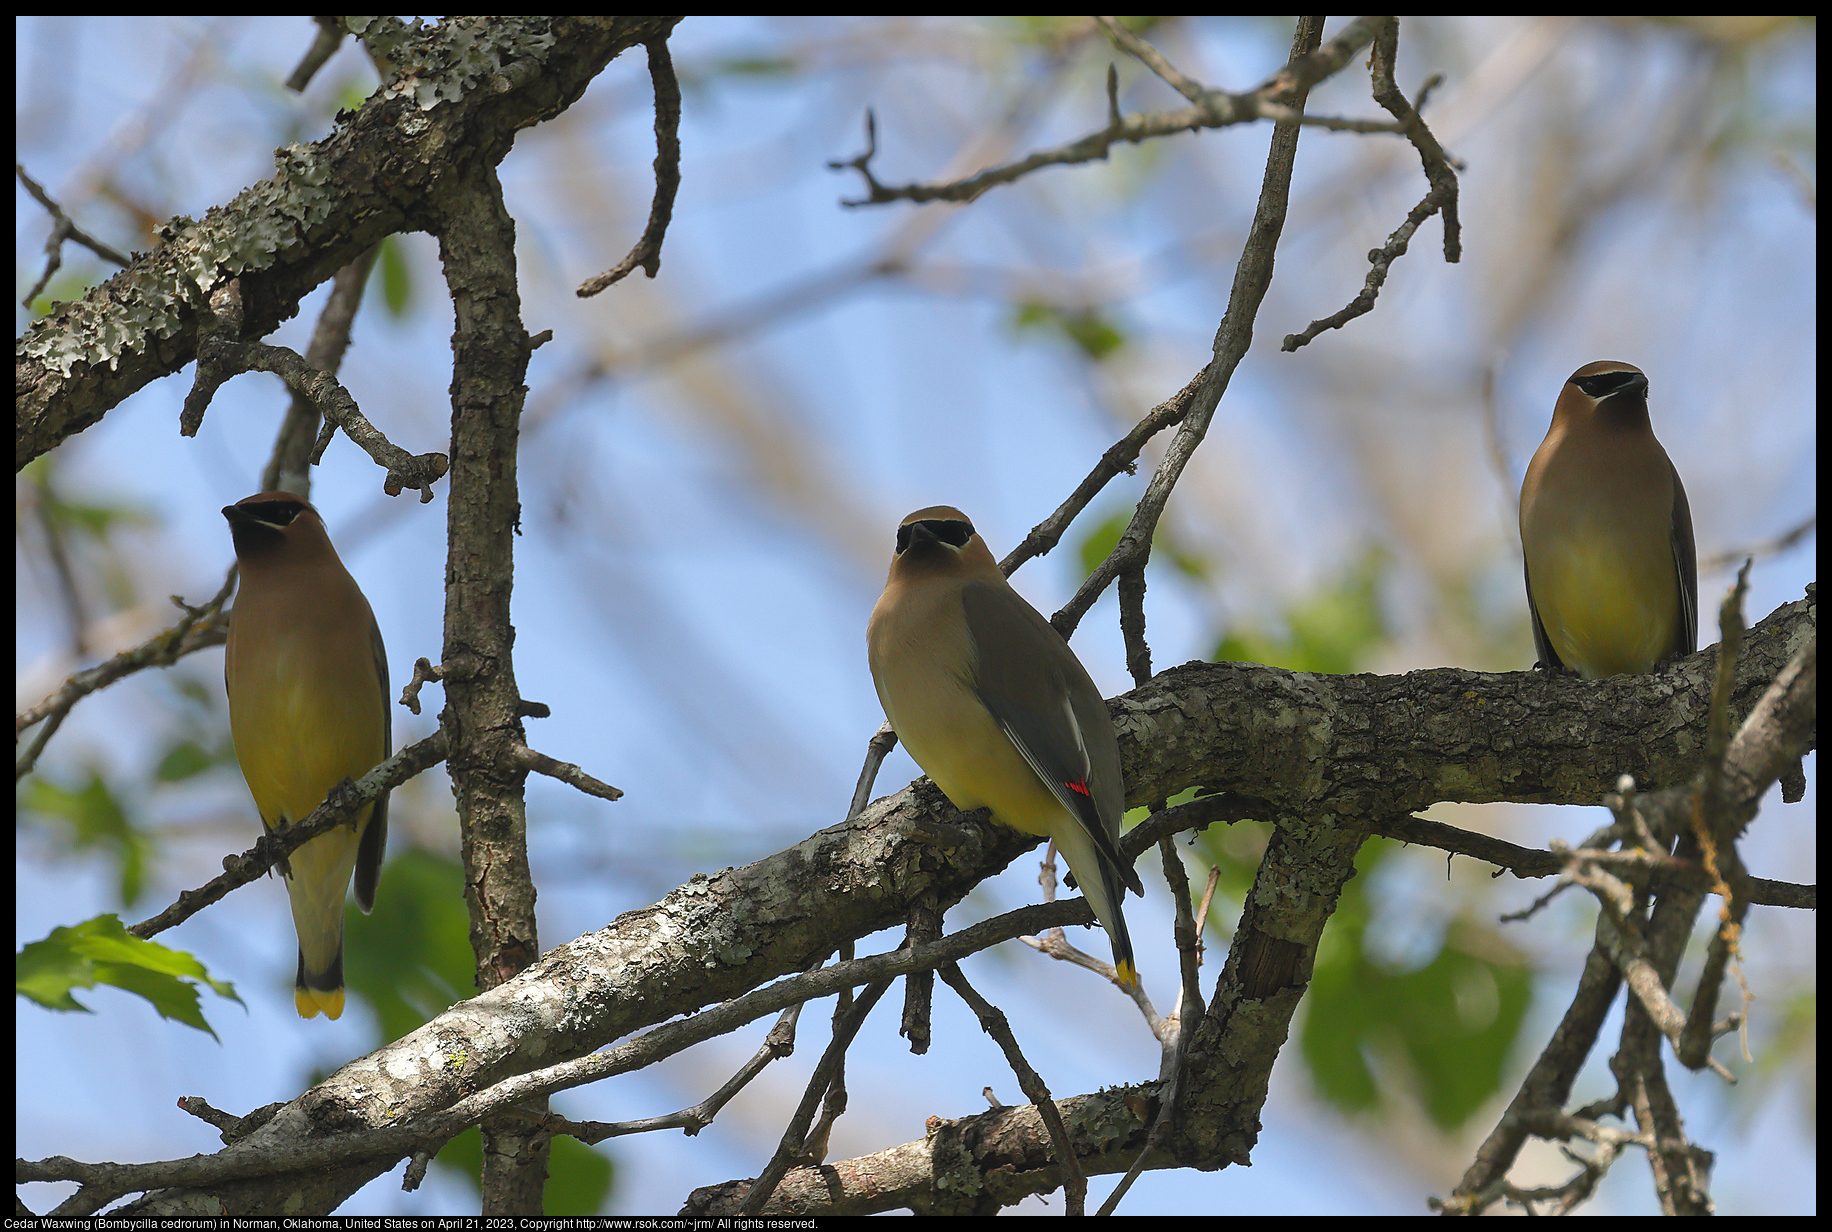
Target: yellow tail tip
{"x":1126,"y":974}
{"x":311,"y":1002}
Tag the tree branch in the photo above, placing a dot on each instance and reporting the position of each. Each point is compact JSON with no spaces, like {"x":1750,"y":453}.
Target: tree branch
{"x":1215,"y":109}
{"x":648,"y":251}
{"x":1378,"y":745}
{"x":328,"y":203}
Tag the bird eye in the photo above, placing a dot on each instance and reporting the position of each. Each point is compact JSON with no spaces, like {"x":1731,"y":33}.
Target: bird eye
{"x":1603,"y":384}
{"x":278,"y":514}
{"x":952,"y":532}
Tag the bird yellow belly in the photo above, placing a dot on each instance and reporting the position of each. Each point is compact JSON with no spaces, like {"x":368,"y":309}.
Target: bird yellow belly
{"x":1602,"y":616}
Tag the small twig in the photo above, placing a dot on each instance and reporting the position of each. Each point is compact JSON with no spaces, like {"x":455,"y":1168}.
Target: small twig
{"x":566,"y":772}
{"x":1440,"y":170}
{"x":861,"y":162}
{"x":325,"y":43}
{"x":1762,"y":550}
{"x":876,"y":749}
{"x":1121,"y":458}
{"x":1546,"y":1087}
{"x":1558,"y":1127}
{"x":61,"y":229}
{"x":795,"y":1137}
{"x":924,"y":926}
{"x":219,"y":357}
{"x":1151,"y":58}
{"x":200,"y":627}
{"x":1216,"y":109}
{"x":1717,"y":729}
{"x":833,"y":1103}
{"x":1055,"y":943}
{"x":1183,"y":1021}
{"x":1252,"y":277}
{"x":1430,"y":83}
{"x":779,"y":1043}
{"x":289,"y":468}
{"x":1220,"y":808}
{"x":1188,"y":932}
{"x":648,"y":251}
{"x":1440,"y":199}
{"x":1526,"y":862}
{"x":423,"y":673}
{"x":233,"y":1128}
{"x":833,"y":1106}
{"x":1649,"y":866}
{"x":993,"y":1023}
{"x":1132,"y":624}
{"x":1716,"y":829}
{"x":1628,"y":948}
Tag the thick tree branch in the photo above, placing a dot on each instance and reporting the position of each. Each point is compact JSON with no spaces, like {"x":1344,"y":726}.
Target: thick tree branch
{"x":482,"y":719}
{"x":1370,"y":746}
{"x":462,"y":90}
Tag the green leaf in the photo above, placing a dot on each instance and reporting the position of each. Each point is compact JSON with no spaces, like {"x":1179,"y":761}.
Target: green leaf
{"x":396,"y":278}
{"x":1092,"y":333}
{"x":1444,"y":1028}
{"x":93,"y":817}
{"x":1100,"y":540}
{"x":102,"y":951}
{"x":91,"y":518}
{"x":206,"y":697}
{"x":579,"y":1179}
{"x":1332,"y":631}
{"x":463,"y":1156}
{"x":753,"y":66}
{"x":412,"y":958}
{"x":1104,"y":536}
{"x":184,"y":759}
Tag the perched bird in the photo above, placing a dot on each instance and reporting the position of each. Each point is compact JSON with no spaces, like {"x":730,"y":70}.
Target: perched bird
{"x":1612,"y":576}
{"x":997,"y":710}
{"x":308,"y":708}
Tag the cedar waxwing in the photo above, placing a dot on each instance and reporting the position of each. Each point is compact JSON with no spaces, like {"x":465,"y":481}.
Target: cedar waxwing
{"x":308,"y":708}
{"x":1612,"y":577}
{"x":997,"y":710}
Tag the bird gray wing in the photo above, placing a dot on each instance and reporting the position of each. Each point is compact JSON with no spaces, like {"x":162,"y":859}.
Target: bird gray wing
{"x":375,"y":835}
{"x":1046,"y":704}
{"x":1548,"y":657}
{"x":1685,"y":560}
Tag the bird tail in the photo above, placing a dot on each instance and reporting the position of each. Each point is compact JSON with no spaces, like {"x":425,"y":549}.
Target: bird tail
{"x":319,"y":881}
{"x":321,"y":992}
{"x":1105,"y":887}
